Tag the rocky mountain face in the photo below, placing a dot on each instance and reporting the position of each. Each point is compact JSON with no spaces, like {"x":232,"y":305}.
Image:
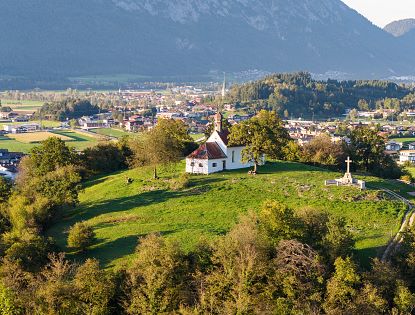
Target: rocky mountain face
{"x":401,"y":27}
{"x":51,"y":38}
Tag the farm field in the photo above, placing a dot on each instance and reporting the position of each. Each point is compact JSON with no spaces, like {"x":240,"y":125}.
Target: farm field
{"x":25,"y":142}
{"x":405,"y":141}
{"x":120,"y":213}
{"x":108,"y":78}
{"x":35,"y":137}
{"x":79,"y":141}
{"x":111,"y":132}
{"x":44,"y":123}
{"x":22,"y":105}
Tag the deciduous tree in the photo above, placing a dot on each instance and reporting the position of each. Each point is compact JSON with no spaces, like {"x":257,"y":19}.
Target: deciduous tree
{"x":261,"y":135}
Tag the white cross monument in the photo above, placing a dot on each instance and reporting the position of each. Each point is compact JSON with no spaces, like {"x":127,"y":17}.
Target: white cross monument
{"x":347,"y":179}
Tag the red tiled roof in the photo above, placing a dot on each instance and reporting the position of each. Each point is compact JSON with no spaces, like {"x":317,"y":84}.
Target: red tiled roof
{"x":209,"y":150}
{"x":224,"y":135}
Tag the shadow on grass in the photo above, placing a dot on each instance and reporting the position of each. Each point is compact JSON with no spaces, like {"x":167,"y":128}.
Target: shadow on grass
{"x":2,"y":138}
{"x":91,"y":210}
{"x":94,"y":181}
{"x":110,"y":251}
{"x":272,"y":167}
{"x":366,"y":255}
{"x":74,"y":137}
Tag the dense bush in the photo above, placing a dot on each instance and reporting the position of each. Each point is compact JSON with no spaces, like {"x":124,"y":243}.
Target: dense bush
{"x":81,"y":236}
{"x":103,"y":158}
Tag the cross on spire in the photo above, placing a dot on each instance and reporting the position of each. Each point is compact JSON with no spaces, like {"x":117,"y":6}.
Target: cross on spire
{"x":348,"y":161}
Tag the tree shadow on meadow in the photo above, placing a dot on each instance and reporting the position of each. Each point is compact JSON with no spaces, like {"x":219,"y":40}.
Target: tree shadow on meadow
{"x":366,"y":255}
{"x":94,"y":181}
{"x":88,"y":211}
{"x":273,"y":167}
{"x":107,"y":252}
{"x":74,"y":137}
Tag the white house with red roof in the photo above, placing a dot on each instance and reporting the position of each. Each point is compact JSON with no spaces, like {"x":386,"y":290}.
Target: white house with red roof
{"x":216,"y":154}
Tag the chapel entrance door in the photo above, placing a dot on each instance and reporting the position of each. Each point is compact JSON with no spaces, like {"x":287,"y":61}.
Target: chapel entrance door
{"x":224,"y":165}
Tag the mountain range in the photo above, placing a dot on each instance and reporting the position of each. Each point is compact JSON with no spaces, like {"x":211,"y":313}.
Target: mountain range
{"x":60,"y":38}
{"x":400,"y":27}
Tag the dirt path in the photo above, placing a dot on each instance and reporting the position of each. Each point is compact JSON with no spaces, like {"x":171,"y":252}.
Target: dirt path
{"x":407,"y":220}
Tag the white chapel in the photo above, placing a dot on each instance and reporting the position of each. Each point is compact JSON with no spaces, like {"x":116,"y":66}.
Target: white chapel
{"x":216,"y":154}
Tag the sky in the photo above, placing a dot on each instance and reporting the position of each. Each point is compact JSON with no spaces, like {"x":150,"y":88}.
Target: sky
{"x":382,"y":12}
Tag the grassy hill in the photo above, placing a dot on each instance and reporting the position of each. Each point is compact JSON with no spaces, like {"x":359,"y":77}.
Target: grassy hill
{"x":120,"y":213}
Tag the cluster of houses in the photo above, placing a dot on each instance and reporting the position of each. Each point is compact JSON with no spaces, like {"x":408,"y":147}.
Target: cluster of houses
{"x":402,"y":152}
{"x":9,"y":162}
{"x":13,"y":116}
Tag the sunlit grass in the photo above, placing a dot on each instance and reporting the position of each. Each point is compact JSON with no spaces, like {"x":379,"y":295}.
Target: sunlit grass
{"x":121,"y":213}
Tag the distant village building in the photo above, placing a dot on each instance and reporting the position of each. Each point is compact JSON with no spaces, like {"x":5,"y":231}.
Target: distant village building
{"x":8,"y":171}
{"x":7,"y":157}
{"x":93,"y":125}
{"x":32,"y":127}
{"x":407,"y":156}
{"x":133,"y":125}
{"x":216,"y":154}
{"x":9,"y":162}
{"x":393,"y":146}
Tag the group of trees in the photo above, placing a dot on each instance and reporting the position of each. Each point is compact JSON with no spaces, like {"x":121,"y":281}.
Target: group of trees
{"x":299,"y":94}
{"x":167,"y":142}
{"x":365,"y":147}
{"x":278,"y":261}
{"x":69,"y":108}
{"x":265,"y":135}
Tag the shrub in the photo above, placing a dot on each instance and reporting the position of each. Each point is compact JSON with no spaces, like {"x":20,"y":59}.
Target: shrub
{"x":407,"y":178}
{"x":8,"y":304}
{"x":81,"y":236}
{"x":180,"y":182}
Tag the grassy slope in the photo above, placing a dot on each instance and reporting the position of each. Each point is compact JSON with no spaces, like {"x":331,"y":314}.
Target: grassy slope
{"x":197,"y":136}
{"x":121,"y":213}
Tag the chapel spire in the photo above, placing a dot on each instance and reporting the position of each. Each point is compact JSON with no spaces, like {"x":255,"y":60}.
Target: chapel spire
{"x":218,"y":122}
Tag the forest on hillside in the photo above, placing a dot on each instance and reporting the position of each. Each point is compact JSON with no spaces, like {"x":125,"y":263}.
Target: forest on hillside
{"x":298,"y":94}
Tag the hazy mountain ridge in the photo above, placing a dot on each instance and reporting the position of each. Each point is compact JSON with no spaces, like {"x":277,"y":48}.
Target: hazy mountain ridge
{"x":265,"y":13}
{"x":401,"y":27}
{"x":182,"y":37}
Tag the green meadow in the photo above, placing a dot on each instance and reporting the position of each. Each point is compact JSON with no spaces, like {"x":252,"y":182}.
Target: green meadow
{"x":121,"y":213}
{"x":22,"y":105}
{"x":110,"y":132}
{"x":404,"y":141}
